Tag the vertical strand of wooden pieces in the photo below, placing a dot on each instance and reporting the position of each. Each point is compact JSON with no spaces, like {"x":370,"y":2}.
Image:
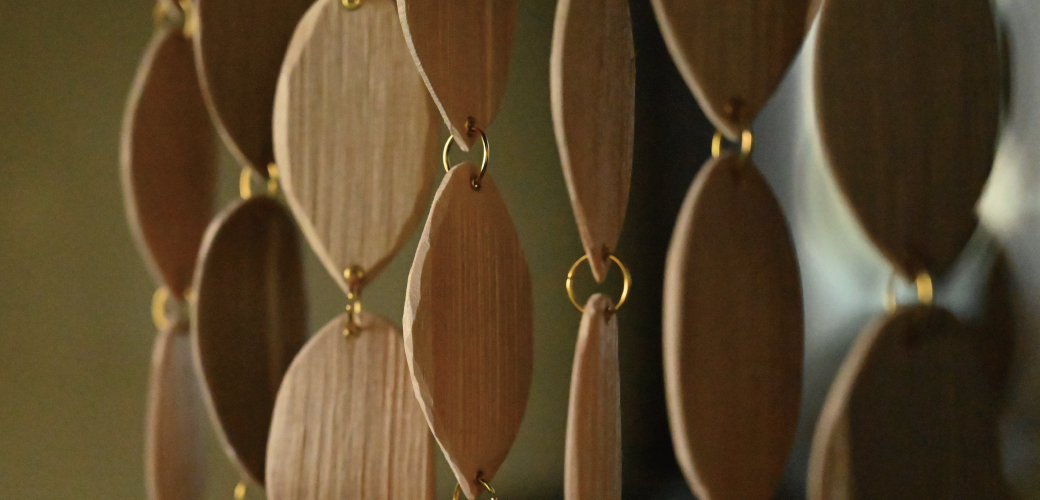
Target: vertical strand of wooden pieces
{"x":592,"y":460}
{"x":592,"y":84}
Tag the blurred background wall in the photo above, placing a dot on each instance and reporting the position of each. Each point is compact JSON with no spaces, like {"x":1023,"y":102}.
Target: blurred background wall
{"x":75,"y":330}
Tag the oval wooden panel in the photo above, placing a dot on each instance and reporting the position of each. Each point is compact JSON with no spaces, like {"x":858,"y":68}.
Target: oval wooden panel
{"x":175,"y":451}
{"x":168,"y":159}
{"x":356,"y":136}
{"x":733,"y":334}
{"x":732,"y":54}
{"x":468,"y":326}
{"x":912,"y":396}
{"x":462,"y":48}
{"x":250,"y":319}
{"x":346,"y":424}
{"x":908,"y":107}
{"x":592,"y":82}
{"x":239,"y":47}
{"x":592,"y":459}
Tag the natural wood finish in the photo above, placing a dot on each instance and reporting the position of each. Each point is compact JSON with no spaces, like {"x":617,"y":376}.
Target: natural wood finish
{"x":356,"y":135}
{"x":239,"y":47}
{"x":250,"y":319}
{"x":462,"y":48}
{"x":592,"y":80}
{"x":168,"y":160}
{"x":592,"y":459}
{"x":468,"y":326}
{"x":346,"y":424}
{"x":908,"y":104}
{"x":909,"y":416}
{"x":175,"y":451}
{"x":732,"y":53}
{"x":733,"y":334}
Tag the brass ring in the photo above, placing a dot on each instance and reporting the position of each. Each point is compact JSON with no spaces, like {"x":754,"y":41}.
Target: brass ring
{"x":159,"y":298}
{"x":240,"y":490}
{"x":923,"y":284}
{"x":483,"y":163}
{"x":245,"y":181}
{"x":624,"y":289}
{"x":351,"y":4}
{"x":272,"y":179}
{"x":747,"y":143}
{"x":355,"y":276}
{"x":488,"y":487}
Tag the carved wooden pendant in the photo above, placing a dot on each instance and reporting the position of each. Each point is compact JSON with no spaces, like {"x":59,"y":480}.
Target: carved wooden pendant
{"x":908,"y":103}
{"x":168,"y":160}
{"x":250,"y":319}
{"x":912,"y":396}
{"x":175,"y":451}
{"x":462,"y":48}
{"x":468,"y":326}
{"x":346,"y":423}
{"x":592,"y":81}
{"x":592,"y":462}
{"x":355,"y":135}
{"x":733,"y":334}
{"x":239,"y":47}
{"x":732,"y":54}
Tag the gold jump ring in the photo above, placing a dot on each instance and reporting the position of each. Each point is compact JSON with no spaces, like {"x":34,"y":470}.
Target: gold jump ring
{"x":483,"y":163}
{"x":747,"y":143}
{"x":925,"y":290}
{"x":162,"y":294}
{"x":488,"y":487}
{"x":624,"y":289}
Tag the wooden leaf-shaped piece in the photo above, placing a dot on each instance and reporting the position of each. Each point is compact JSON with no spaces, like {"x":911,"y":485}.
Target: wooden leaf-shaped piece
{"x":732,"y":54}
{"x":346,"y":424}
{"x":462,"y":48}
{"x":909,"y":416}
{"x":592,"y":461}
{"x":908,"y":104}
{"x":592,"y":82}
{"x":355,"y":135}
{"x":239,"y":47}
{"x":168,"y":157}
{"x":175,"y":452}
{"x":468,"y":326}
{"x":733,"y":334}
{"x":250,"y":320}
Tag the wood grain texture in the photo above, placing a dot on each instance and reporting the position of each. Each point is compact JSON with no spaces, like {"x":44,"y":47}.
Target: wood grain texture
{"x":468,"y":326}
{"x":346,"y":424}
{"x":175,"y":451}
{"x":908,"y":104}
{"x":462,"y":48}
{"x":592,"y":82}
{"x":168,"y":161}
{"x":733,"y":334}
{"x":239,"y":47}
{"x":732,"y":54}
{"x":249,"y":321}
{"x":592,"y":458}
{"x":356,"y":135}
{"x":909,"y":416}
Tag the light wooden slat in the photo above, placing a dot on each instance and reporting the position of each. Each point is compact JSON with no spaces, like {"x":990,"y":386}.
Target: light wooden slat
{"x":346,"y":423}
{"x":732,"y":53}
{"x":908,"y":105}
{"x":592,"y":459}
{"x":175,"y":451}
{"x":592,"y":83}
{"x":733,"y":334}
{"x":356,"y":135}
{"x":468,"y":326}
{"x":249,"y":320}
{"x":239,"y":47}
{"x":462,"y":48}
{"x":168,"y":160}
{"x":909,"y":416}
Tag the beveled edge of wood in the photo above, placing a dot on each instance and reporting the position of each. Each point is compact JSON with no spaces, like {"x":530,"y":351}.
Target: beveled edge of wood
{"x":299,"y":41}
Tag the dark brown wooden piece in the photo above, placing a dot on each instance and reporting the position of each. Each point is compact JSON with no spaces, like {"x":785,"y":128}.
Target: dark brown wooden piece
{"x":910,"y":416}
{"x":908,"y":103}
{"x":239,"y":49}
{"x":168,"y":160}
{"x":249,"y":321}
{"x":733,"y":335}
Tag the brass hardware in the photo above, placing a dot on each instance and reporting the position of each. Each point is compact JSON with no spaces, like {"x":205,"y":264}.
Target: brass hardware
{"x":624,"y":290}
